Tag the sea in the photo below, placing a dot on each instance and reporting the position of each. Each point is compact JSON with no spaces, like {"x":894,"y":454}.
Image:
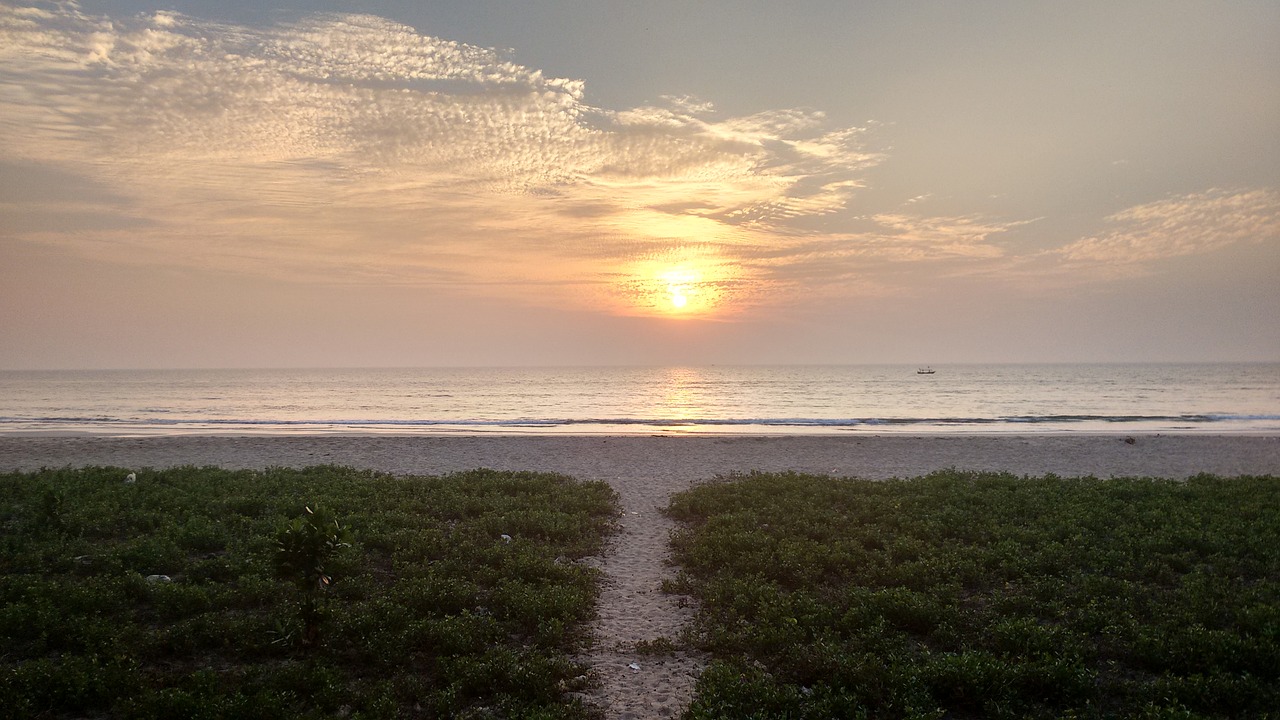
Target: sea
{"x":710,"y":400}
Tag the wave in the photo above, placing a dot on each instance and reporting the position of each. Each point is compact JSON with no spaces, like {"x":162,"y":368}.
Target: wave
{"x":766,"y":422}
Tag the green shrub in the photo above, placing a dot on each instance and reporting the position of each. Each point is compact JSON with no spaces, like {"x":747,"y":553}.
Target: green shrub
{"x":429,"y":589}
{"x":306,"y":549}
{"x":983,"y":595}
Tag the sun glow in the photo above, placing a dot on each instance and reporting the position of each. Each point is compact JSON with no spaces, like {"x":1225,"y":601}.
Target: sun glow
{"x":685,"y":281}
{"x":689,"y":287}
{"x":682,"y":283}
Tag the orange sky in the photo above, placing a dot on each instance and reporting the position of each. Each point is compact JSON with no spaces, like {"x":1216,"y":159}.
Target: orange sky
{"x":225,"y":186}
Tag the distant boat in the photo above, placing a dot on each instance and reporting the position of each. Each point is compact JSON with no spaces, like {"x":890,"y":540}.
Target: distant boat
{"x":926,"y":370}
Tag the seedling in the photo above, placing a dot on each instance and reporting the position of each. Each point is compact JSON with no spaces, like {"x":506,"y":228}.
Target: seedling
{"x":307,"y":547}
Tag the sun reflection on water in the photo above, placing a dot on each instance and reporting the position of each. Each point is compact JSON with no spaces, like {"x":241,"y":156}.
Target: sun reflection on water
{"x":680,"y":399}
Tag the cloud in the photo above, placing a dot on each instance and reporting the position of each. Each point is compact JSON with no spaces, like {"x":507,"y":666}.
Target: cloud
{"x":911,"y":237}
{"x":892,"y":255}
{"x":1179,"y":226}
{"x":349,"y":148}
{"x":371,"y":96}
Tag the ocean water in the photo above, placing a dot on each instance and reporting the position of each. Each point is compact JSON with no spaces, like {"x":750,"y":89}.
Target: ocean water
{"x":1167,"y":398}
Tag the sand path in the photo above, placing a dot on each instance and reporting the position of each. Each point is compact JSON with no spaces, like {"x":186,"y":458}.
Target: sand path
{"x":646,"y":471}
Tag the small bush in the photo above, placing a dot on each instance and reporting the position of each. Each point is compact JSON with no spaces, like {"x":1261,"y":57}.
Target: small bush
{"x":427,"y":614}
{"x":983,"y":595}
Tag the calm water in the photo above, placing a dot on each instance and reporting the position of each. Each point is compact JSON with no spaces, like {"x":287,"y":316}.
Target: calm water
{"x":1228,"y":398}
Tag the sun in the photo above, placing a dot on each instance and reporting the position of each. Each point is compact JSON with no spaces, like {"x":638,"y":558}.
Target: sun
{"x":685,"y":288}
{"x":679,"y":283}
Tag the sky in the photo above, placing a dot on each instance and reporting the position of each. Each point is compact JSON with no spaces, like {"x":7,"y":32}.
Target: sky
{"x":563,"y":182}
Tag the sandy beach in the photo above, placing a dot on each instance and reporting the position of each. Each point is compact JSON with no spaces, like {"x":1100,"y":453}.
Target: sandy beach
{"x":662,"y":463}
{"x":645,"y":471}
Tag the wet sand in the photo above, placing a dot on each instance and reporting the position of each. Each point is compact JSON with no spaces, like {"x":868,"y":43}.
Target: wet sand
{"x":646,"y":471}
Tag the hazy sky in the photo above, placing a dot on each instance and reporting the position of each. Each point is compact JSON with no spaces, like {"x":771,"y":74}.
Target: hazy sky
{"x":403,"y":182}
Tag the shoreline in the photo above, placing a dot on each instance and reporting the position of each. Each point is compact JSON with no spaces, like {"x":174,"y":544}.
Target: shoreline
{"x":681,"y":428}
{"x":1267,"y":427}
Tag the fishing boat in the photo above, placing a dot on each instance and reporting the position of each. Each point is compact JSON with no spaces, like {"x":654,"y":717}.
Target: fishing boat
{"x":926,"y":370}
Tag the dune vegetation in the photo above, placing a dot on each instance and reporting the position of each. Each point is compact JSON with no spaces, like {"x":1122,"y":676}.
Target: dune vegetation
{"x":325,"y":592}
{"x":982,"y":595}
{"x":331,"y":592}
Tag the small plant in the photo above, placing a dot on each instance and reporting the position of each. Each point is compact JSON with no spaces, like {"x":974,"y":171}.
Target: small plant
{"x":657,"y":646}
{"x":306,"y":547}
{"x":51,"y":510}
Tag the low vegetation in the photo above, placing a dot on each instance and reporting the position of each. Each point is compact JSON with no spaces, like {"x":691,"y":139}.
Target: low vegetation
{"x":326,"y":592}
{"x":979,"y":595}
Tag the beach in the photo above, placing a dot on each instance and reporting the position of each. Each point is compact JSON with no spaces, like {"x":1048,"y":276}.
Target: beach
{"x":649,"y":468}
{"x":645,"y":471}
